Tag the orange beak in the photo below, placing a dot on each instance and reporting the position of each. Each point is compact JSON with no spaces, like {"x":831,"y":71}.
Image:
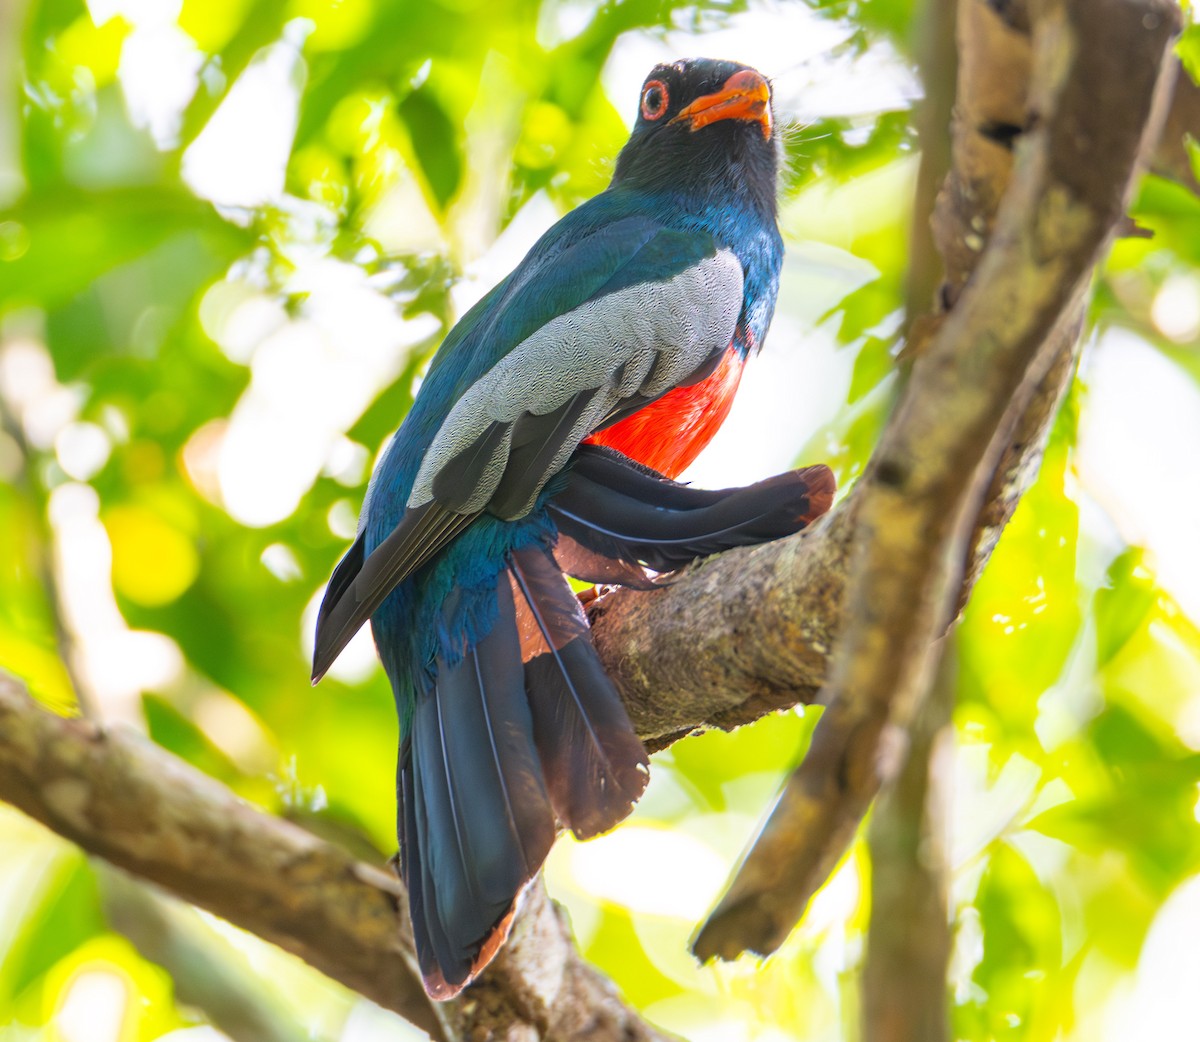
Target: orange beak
{"x":745,"y":95}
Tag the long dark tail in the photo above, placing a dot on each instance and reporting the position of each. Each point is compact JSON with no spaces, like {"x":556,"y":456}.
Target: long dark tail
{"x":614,"y":515}
{"x":527,"y":731}
{"x":475,"y":819}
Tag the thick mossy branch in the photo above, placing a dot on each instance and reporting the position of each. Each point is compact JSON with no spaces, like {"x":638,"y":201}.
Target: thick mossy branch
{"x":1095,"y":80}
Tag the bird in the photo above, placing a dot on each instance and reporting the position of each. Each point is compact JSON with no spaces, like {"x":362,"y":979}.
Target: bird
{"x":544,"y":442}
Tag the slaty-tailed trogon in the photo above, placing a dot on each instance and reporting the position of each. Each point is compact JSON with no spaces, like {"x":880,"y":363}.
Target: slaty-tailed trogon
{"x":544,"y":440}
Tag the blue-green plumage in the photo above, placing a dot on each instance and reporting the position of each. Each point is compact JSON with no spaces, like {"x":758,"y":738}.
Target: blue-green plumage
{"x":616,"y":240}
{"x":508,"y":723}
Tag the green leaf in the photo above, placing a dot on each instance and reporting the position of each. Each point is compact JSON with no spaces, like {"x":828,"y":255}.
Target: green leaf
{"x":710,"y":761}
{"x":435,"y":142}
{"x":60,"y":917}
{"x":1142,"y":805}
{"x":1025,"y":613}
{"x":1020,"y":994}
{"x":1122,"y":604}
{"x":872,"y":365}
{"x":1188,"y":50}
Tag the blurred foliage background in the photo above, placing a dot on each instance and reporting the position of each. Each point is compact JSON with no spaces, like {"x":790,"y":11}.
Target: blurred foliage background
{"x":232,"y":233}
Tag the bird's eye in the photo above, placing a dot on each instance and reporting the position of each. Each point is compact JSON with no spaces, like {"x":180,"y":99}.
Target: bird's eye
{"x":654,"y":100}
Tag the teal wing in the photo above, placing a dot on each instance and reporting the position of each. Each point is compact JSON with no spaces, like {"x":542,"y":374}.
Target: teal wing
{"x":606,"y":323}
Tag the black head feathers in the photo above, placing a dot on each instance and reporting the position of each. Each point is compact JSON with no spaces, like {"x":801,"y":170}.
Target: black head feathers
{"x":704,"y":128}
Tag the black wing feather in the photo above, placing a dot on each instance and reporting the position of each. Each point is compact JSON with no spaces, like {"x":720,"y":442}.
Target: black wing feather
{"x":361,"y":585}
{"x":455,"y":483}
{"x":536,"y":441}
{"x":342,"y":578}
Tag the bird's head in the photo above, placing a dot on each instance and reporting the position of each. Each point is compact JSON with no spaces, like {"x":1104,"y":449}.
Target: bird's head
{"x":703,"y":126}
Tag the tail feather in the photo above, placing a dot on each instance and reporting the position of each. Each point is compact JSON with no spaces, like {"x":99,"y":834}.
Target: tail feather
{"x":476,"y":817}
{"x":436,"y":955}
{"x":604,"y":563}
{"x":527,"y":727}
{"x":410,"y":870}
{"x":429,"y":938}
{"x":594,"y":763}
{"x":618,"y":510}
{"x":546,"y":620}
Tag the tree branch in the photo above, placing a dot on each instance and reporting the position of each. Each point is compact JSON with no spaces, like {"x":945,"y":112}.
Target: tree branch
{"x":1096,"y":71}
{"x":118,"y":795}
{"x":207,"y":975}
{"x":909,"y":940}
{"x":734,"y":638}
{"x":937,"y":61}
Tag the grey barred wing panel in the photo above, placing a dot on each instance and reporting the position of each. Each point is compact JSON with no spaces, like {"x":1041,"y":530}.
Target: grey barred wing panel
{"x":518,"y":424}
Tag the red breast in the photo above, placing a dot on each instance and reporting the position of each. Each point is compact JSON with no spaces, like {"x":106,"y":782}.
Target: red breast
{"x":670,"y":432}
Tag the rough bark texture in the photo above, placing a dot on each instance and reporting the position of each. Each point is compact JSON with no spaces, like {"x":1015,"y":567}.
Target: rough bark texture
{"x":1093,"y":92}
{"x":903,"y":993}
{"x":540,"y":988}
{"x":120,"y":796}
{"x":909,"y":938}
{"x":937,"y":61}
{"x":693,"y":656}
{"x":751,"y":631}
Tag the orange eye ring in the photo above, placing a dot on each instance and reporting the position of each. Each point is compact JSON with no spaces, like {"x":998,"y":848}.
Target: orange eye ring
{"x":655,"y":99}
